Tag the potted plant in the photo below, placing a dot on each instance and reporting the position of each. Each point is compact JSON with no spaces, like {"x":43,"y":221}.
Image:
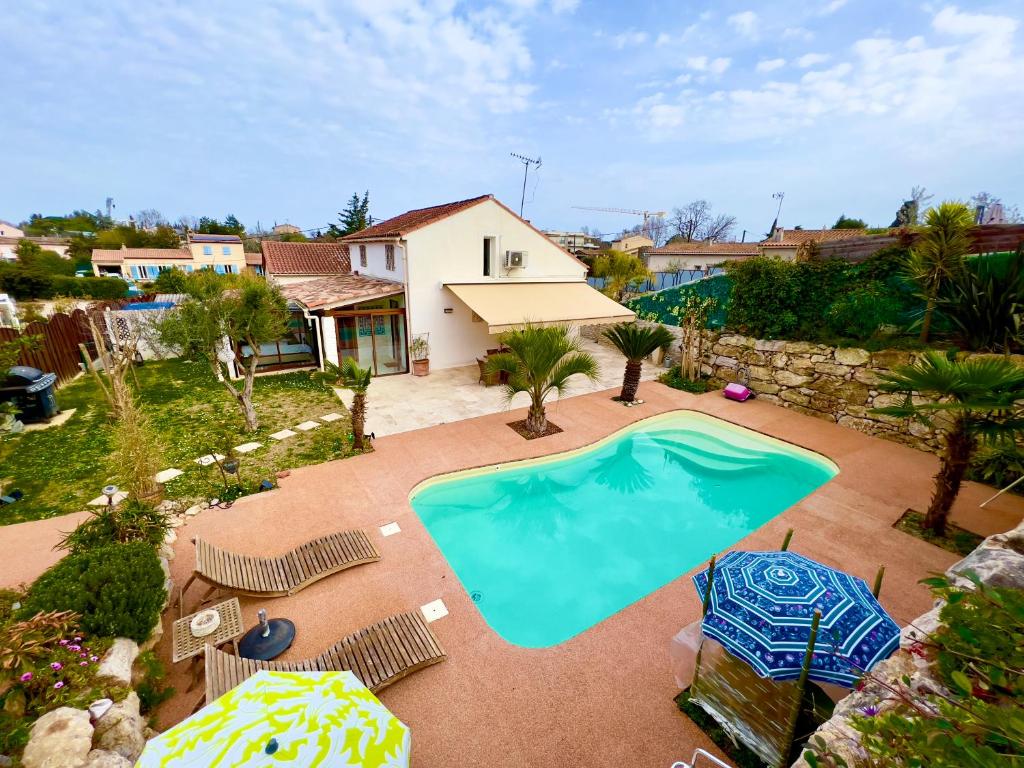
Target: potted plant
{"x":420,"y":354}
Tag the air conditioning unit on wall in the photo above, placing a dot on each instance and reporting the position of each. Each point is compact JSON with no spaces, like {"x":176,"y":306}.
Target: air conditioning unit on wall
{"x":515,"y":259}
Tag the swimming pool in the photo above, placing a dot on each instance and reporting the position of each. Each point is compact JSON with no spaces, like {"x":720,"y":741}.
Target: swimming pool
{"x":549,"y":547}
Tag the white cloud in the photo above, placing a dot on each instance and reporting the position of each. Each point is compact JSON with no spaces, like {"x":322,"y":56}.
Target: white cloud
{"x":832,"y":7}
{"x":770,"y":65}
{"x":938,"y":89}
{"x":797,"y":33}
{"x":719,"y":65}
{"x":629,"y":38}
{"x":745,"y":23}
{"x":564,"y":6}
{"x":705,"y":64}
{"x":812,"y":60}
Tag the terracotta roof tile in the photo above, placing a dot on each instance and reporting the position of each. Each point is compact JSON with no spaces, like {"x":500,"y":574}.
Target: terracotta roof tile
{"x":119,"y":255}
{"x":339,"y":290}
{"x":791,"y":237}
{"x":703,"y":247}
{"x":306,"y":258}
{"x":399,"y":226}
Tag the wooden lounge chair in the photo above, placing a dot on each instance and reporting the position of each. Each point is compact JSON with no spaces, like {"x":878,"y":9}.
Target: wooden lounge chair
{"x":283,"y":575}
{"x":378,"y":655}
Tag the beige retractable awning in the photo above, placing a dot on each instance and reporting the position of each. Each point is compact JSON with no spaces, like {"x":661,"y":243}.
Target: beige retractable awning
{"x":507,"y":305}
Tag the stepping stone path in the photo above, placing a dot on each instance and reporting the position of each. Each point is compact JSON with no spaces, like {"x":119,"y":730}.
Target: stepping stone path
{"x":308,"y":425}
{"x":208,"y":459}
{"x":248,"y":447}
{"x":101,"y":501}
{"x":331,"y":417}
{"x":167,"y":475}
{"x":284,"y":434}
{"x":434,"y":610}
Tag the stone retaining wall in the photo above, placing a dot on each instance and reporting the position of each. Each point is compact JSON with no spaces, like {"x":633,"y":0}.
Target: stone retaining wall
{"x":839,"y":384}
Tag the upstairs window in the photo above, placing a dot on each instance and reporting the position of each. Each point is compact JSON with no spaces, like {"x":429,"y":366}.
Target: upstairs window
{"x":225,"y":250}
{"x":362,"y":255}
{"x":389,"y":257}
{"x":487,"y":257}
{"x":207,"y":250}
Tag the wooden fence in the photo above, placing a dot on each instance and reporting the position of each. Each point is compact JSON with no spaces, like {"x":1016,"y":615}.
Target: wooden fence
{"x":990,"y":238}
{"x":58,"y":339}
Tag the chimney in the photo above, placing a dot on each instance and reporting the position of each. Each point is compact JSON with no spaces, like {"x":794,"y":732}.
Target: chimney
{"x":777,"y":234}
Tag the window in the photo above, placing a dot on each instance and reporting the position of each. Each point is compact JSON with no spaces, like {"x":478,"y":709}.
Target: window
{"x":207,"y":250}
{"x":225,"y":250}
{"x":152,"y":271}
{"x":188,"y":268}
{"x":136,"y":272}
{"x":229,"y":269}
{"x":362,"y":255}
{"x":487,"y":257}
{"x":220,"y":269}
{"x":389,"y":257}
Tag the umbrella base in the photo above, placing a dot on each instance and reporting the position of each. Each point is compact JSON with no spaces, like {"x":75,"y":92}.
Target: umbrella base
{"x":255,"y":646}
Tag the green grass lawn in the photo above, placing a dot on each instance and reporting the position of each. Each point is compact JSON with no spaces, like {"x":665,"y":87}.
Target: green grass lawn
{"x":61,"y":468}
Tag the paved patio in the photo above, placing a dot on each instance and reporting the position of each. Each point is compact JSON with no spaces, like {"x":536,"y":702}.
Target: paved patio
{"x":603,"y":698}
{"x":453,"y":394}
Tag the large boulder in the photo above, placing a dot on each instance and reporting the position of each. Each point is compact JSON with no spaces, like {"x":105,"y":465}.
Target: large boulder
{"x":121,"y":729}
{"x":102,"y":758}
{"x":998,"y":561}
{"x":117,"y":662}
{"x":61,"y":738}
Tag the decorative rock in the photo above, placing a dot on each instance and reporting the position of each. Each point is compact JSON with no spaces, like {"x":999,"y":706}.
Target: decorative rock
{"x":170,"y":537}
{"x":852,"y":356}
{"x":193,"y":510}
{"x":167,"y":475}
{"x":998,"y":561}
{"x":117,"y":663}
{"x":61,"y":738}
{"x":102,"y":758}
{"x":247,"y":447}
{"x":99,"y":708}
{"x":920,"y":628}
{"x":120,"y":730}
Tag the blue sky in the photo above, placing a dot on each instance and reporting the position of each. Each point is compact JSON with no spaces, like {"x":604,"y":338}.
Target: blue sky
{"x":278,"y":111}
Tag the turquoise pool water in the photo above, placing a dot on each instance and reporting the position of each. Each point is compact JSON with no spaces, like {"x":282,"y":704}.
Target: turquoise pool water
{"x":550,"y":547}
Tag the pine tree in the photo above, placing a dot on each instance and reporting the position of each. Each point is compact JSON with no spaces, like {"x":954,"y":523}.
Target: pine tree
{"x":355,"y":217}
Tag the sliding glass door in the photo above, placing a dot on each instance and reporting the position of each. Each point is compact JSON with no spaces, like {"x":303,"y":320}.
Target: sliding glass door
{"x":376,"y":340}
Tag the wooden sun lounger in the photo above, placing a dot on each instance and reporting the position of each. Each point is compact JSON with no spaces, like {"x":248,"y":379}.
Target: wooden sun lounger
{"x":378,"y":655}
{"x":283,"y":575}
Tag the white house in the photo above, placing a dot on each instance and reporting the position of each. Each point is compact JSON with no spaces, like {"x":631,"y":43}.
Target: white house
{"x":456,"y":274}
{"x":11,"y":236}
{"x":700,"y":254}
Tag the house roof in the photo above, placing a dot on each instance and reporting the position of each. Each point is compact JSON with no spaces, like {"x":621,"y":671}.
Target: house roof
{"x":793,"y":237}
{"x":703,"y":247}
{"x":399,"y":226}
{"x":120,"y":255}
{"x":253,"y":259}
{"x":306,"y":258}
{"x":339,"y":290}
{"x":202,"y":238}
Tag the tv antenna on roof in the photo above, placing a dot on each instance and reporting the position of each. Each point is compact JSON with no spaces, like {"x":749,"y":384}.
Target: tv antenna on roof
{"x":527,"y":162}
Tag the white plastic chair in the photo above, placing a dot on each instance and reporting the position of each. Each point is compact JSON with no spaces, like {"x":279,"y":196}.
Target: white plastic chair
{"x":698,"y":753}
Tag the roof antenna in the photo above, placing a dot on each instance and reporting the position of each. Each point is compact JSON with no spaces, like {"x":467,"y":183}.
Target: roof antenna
{"x":526,"y":161}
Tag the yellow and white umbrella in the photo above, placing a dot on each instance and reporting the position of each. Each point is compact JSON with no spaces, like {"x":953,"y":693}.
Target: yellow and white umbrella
{"x":296,"y":719}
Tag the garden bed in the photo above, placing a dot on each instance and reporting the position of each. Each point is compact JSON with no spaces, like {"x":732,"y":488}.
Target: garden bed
{"x":957,"y":540}
{"x":60,"y":469}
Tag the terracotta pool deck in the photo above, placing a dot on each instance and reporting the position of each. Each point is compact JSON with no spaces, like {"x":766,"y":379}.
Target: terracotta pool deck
{"x":603,"y":698}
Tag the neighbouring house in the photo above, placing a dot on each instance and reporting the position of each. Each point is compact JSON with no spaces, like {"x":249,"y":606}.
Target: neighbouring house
{"x":221,"y":253}
{"x":785,"y":243}
{"x":286,"y":229}
{"x":634,"y":245}
{"x":700,"y":254}
{"x":10,"y":236}
{"x":574,"y":242}
{"x":285,"y":263}
{"x":456,"y":275}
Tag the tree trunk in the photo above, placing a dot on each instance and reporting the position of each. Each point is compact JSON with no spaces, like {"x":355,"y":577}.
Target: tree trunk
{"x":358,"y":416}
{"x":955,"y":460}
{"x":536,"y":419}
{"x":248,"y":407}
{"x":926,"y":321}
{"x":630,"y":381}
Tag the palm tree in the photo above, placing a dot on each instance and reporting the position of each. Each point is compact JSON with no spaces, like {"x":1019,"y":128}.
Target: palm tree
{"x":350,"y":376}
{"x":636,"y":342}
{"x":540,"y":360}
{"x":979,"y":394}
{"x":938,"y":255}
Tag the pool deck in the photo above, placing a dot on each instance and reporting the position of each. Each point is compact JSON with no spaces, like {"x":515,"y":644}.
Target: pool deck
{"x":603,"y":698}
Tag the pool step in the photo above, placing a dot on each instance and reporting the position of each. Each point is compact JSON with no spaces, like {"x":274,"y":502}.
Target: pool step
{"x":708,"y":460}
{"x":711,"y":443}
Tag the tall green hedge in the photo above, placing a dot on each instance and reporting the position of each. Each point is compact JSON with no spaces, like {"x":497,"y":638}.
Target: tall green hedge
{"x":658,"y":306}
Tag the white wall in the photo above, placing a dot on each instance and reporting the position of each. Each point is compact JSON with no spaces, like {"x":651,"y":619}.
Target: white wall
{"x":451,"y":251}
{"x":329,"y":335}
{"x":661,"y":262}
{"x":376,"y":261}
{"x":9,"y":230}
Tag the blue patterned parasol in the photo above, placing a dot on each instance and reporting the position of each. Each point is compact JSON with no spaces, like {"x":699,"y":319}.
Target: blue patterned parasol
{"x":761,"y":608}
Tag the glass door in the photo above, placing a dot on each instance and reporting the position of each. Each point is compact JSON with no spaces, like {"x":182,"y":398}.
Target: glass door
{"x":375,"y":341}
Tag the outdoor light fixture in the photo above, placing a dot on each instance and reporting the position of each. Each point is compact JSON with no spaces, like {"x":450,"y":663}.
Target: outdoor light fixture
{"x":448,"y":310}
{"x":231,"y":465}
{"x":110,"y":491}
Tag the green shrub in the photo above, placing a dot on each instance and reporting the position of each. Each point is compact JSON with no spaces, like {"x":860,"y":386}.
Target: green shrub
{"x":674,"y":378}
{"x":30,"y":282}
{"x":117,"y":589}
{"x":170,"y":281}
{"x":132,"y":520}
{"x":151,"y":688}
{"x":998,"y":465}
{"x":860,"y":312}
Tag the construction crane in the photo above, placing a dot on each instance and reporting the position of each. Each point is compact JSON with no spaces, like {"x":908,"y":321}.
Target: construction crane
{"x":646,"y":214}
